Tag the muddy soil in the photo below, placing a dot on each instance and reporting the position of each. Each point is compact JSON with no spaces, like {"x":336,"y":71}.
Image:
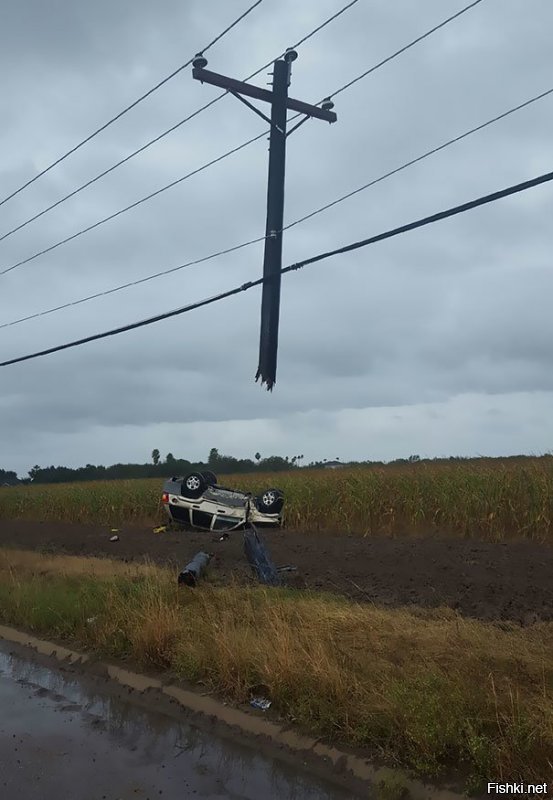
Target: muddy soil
{"x":484,"y":580}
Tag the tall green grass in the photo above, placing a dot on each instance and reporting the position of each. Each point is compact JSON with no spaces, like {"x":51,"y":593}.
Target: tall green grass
{"x":493,"y":499}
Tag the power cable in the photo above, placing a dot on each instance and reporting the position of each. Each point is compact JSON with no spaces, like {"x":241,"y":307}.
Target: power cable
{"x":165,"y":133}
{"x":341,"y":199}
{"x":450,"y":212}
{"x":405,"y":48}
{"x":132,"y":205}
{"x":129,"y":107}
{"x":228,"y":153}
{"x":413,"y":161}
{"x":136,"y":282}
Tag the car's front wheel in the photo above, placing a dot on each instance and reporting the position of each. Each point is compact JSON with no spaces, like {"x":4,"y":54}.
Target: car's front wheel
{"x":194,"y":485}
{"x":210,"y":477}
{"x":271,"y":501}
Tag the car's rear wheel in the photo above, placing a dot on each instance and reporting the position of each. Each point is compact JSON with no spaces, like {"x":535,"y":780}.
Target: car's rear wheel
{"x":194,"y":485}
{"x":271,"y":501}
{"x":210,"y":478}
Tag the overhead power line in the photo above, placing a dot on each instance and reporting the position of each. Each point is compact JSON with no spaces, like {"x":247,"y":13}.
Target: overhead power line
{"x":312,"y":33}
{"x":229,"y":152}
{"x":107,"y":292}
{"x":129,"y":107}
{"x":450,"y":212}
{"x":406,"y":47}
{"x":165,"y":133}
{"x":319,"y":210}
{"x":422,"y":157}
{"x":132,"y":205}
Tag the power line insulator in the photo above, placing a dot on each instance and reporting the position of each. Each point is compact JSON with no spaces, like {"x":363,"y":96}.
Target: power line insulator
{"x":290,"y":55}
{"x":200,"y":61}
{"x":327,"y":104}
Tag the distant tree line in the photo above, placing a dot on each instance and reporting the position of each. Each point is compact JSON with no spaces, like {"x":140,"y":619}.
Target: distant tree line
{"x":219,"y":464}
{"x":157,"y":468}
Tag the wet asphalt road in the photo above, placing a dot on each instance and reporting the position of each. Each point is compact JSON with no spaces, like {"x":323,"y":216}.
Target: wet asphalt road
{"x":62,"y":740}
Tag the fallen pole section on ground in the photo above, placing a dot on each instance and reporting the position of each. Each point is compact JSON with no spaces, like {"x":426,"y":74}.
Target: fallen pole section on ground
{"x":259,"y":558}
{"x":194,"y":569}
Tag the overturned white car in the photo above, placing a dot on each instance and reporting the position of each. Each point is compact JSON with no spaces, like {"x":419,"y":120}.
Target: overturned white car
{"x":197,"y":501}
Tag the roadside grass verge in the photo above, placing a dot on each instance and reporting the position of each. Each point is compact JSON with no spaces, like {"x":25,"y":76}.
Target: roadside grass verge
{"x":425,"y":690}
{"x":491,"y":499}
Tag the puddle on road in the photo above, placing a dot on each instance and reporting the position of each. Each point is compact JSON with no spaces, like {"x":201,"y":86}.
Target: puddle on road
{"x":61,"y":738}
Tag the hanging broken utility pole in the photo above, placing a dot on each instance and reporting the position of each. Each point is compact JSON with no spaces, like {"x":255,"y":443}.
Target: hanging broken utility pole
{"x":272,"y":261}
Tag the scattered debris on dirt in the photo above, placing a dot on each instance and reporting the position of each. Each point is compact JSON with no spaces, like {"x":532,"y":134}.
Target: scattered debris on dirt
{"x":260,"y":702}
{"x":114,"y":538}
{"x":507,"y":581}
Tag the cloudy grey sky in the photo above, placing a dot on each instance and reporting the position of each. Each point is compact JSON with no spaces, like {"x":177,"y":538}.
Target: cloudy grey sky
{"x":437,"y":342}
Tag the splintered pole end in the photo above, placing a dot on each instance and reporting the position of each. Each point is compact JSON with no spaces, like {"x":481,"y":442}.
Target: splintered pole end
{"x":268,"y":383}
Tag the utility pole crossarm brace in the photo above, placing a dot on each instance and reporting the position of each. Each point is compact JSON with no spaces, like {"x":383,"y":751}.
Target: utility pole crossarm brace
{"x":280,"y":103}
{"x":250,"y":105}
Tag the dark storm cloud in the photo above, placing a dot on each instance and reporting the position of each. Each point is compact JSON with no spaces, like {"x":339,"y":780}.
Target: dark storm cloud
{"x":456,"y":314}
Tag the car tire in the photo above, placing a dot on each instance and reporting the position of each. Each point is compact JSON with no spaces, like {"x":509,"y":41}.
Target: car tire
{"x":194,"y":485}
{"x":270,"y":501}
{"x":210,"y":478}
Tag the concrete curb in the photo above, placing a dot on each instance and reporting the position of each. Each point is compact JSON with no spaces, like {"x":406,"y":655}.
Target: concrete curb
{"x":375,"y":782}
